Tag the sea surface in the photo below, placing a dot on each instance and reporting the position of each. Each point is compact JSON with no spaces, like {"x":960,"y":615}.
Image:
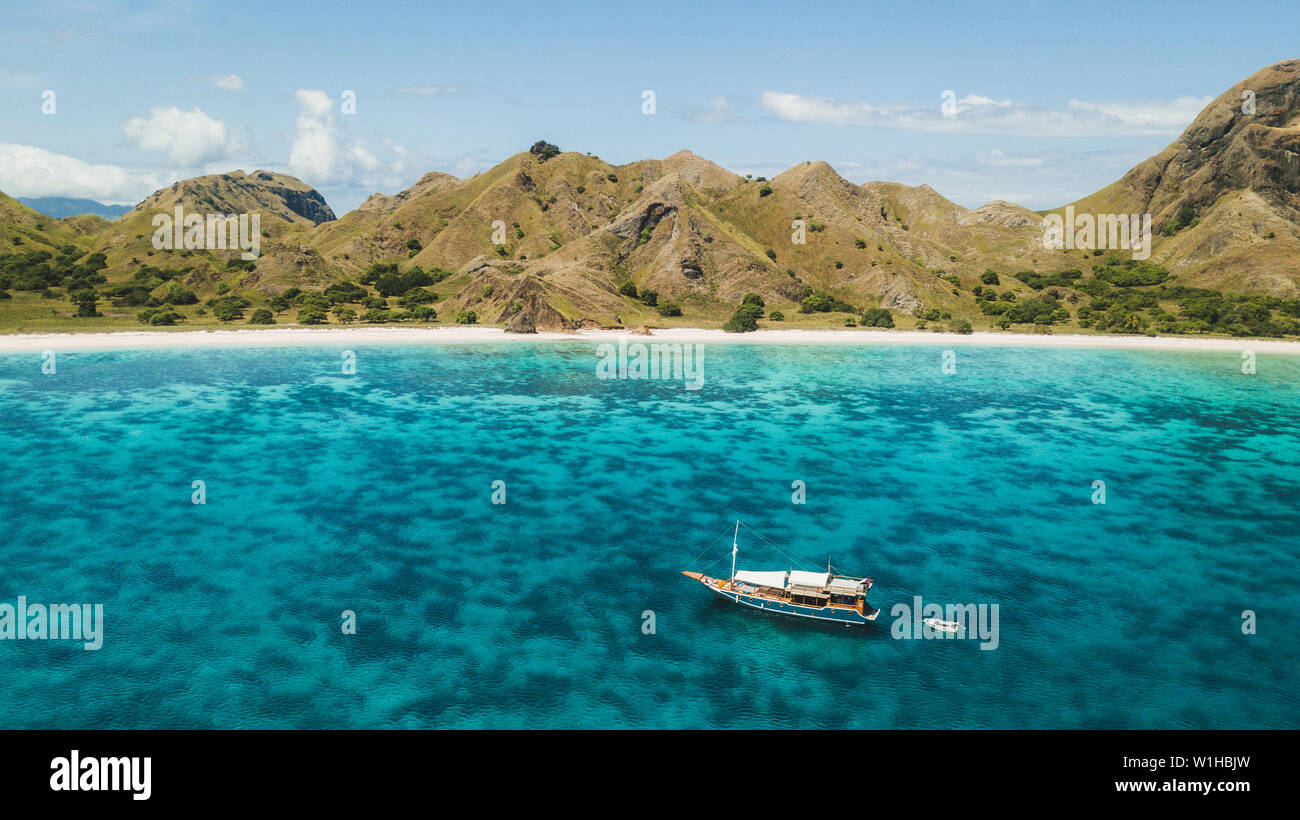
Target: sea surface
{"x":564,"y":606}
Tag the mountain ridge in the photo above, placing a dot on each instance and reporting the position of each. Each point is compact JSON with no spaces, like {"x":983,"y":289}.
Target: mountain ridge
{"x":548,"y":239}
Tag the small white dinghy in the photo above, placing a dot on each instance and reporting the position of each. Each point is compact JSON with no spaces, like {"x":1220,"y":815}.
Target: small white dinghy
{"x":940,"y":625}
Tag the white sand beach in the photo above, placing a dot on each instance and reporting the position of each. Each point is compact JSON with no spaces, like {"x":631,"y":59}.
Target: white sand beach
{"x":304,"y":336}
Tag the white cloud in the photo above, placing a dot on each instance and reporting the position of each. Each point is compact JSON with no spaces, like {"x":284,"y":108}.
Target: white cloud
{"x":188,"y":137}
{"x":401,"y":157}
{"x":316,"y":154}
{"x":29,"y":171}
{"x":426,"y":90}
{"x":718,"y":110}
{"x":976,"y":114}
{"x":362,"y":157}
{"x":230,"y":82}
{"x":320,"y":156}
{"x":1154,"y":117}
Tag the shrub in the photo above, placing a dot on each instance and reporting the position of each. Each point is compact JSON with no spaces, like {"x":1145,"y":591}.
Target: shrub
{"x":344,"y":292}
{"x":744,"y":320}
{"x":544,"y":150}
{"x":1185,"y":218}
{"x":311,"y":315}
{"x":466,"y":317}
{"x":371,"y":274}
{"x":313,"y":300}
{"x":392,"y":283}
{"x":1038,"y":281}
{"x":877,"y":317}
{"x":776,"y":316}
{"x":130,"y":296}
{"x":1131,"y":273}
{"x":261,"y":316}
{"x":669,"y":309}
{"x":823,"y":302}
{"x":765,"y":190}
{"x":227,"y":310}
{"x":628,"y":289}
{"x":990,"y":278}
{"x":417,"y":296}
{"x":159,"y":317}
{"x":175,"y":294}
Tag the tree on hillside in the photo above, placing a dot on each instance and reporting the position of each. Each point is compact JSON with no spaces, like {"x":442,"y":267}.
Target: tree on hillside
{"x":544,"y":150}
{"x":85,"y":301}
{"x":745,"y":319}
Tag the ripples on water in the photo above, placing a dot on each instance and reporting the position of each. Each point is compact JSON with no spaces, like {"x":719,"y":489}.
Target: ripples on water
{"x":372,"y":493}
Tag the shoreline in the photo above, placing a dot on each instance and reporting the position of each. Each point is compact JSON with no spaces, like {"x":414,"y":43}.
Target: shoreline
{"x":304,"y":336}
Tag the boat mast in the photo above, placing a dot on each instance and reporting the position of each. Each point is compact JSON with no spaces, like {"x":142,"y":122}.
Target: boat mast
{"x":734,"y":549}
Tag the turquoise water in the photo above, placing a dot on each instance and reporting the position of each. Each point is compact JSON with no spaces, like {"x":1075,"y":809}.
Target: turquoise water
{"x":372,"y":492}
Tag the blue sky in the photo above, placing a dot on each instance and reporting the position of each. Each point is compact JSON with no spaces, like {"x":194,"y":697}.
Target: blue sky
{"x":1052,"y":100}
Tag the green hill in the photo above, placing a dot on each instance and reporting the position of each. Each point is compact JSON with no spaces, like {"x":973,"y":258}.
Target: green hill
{"x":556,"y":240}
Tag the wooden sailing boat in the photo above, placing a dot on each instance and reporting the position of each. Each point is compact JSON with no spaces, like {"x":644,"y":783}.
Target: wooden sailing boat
{"x":822,"y":596}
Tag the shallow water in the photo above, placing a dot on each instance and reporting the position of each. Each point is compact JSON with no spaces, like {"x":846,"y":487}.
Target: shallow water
{"x":372,"y":492}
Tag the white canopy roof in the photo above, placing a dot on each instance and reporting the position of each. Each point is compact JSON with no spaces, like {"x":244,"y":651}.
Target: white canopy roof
{"x":845,"y":586}
{"x":808,"y":579}
{"x":762,"y":579}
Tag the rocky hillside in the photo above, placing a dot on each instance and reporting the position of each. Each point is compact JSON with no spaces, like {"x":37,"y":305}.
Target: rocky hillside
{"x":1225,"y":197}
{"x":278,"y":195}
{"x":562,"y":238}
